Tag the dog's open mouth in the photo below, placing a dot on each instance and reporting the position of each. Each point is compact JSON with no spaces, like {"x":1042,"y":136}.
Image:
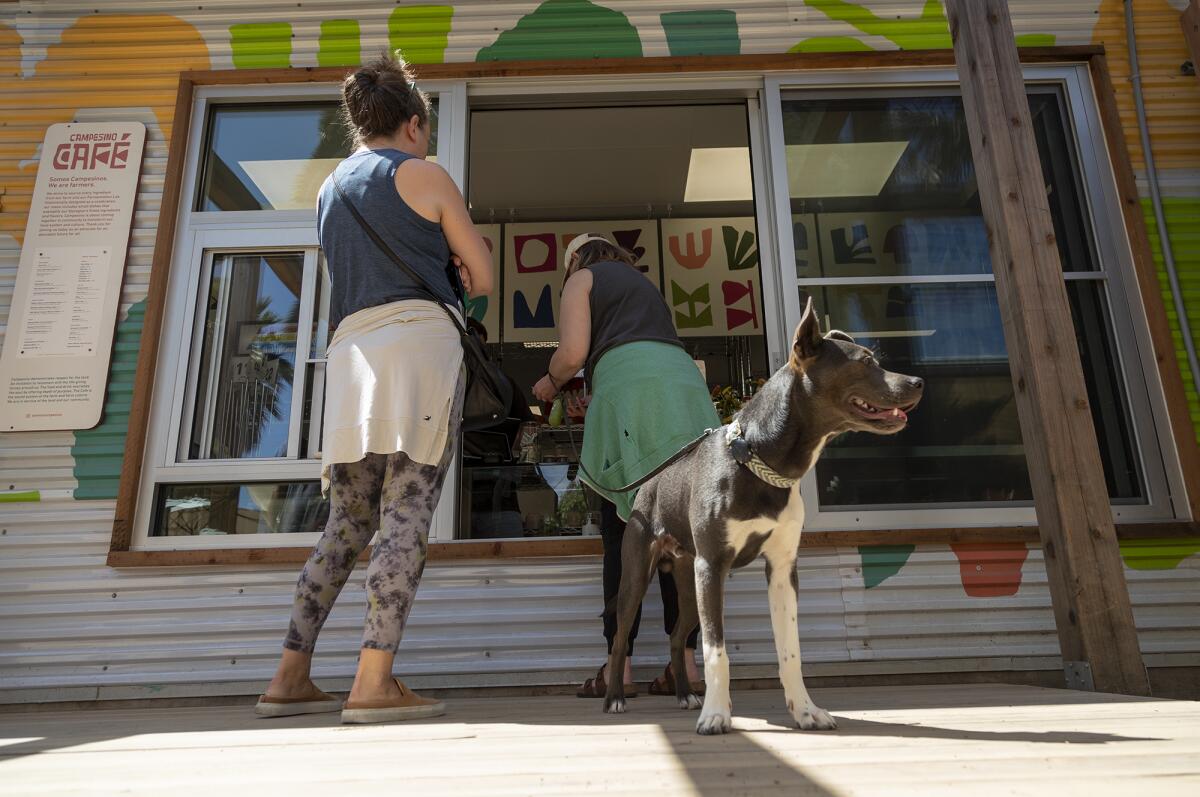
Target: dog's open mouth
{"x":888,"y":415}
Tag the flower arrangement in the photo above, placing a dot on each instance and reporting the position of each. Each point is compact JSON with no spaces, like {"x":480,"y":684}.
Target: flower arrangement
{"x":728,"y":401}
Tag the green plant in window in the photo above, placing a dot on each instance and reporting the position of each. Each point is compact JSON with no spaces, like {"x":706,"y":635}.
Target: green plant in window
{"x":573,"y":507}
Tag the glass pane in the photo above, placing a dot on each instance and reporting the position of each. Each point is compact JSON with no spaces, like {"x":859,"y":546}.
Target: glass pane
{"x":248,"y":358}
{"x":1106,"y":391}
{"x":885,"y":186}
{"x":528,"y":500}
{"x":1064,"y":191}
{"x":274,"y":156}
{"x":679,"y":195}
{"x":963,"y":444}
{"x":187,"y":510}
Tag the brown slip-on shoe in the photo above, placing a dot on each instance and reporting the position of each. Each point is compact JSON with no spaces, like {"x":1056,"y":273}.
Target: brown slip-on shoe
{"x":598,"y":687}
{"x":409,"y":706}
{"x":319,"y":703}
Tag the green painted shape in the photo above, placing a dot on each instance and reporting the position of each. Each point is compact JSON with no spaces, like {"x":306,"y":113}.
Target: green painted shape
{"x":99,"y":452}
{"x":259,"y":45}
{"x":830,"y":44}
{"x":1036,"y":40}
{"x":929,"y":31}
{"x":566,"y":29}
{"x":712,"y":32}
{"x":1183,"y":225}
{"x":881,"y":562}
{"x":1158,"y":554}
{"x":340,"y":43}
{"x":20,"y":497}
{"x":420,"y":33}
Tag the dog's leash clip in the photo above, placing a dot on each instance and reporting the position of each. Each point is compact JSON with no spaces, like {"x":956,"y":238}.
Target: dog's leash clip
{"x":739,"y":449}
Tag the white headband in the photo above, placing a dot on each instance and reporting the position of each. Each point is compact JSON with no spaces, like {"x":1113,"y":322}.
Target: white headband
{"x":576,"y":243}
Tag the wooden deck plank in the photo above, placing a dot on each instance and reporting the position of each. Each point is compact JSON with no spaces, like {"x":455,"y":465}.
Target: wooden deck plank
{"x":932,"y":740}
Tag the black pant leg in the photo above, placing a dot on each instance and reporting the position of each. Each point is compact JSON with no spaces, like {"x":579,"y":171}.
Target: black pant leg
{"x":612,"y":530}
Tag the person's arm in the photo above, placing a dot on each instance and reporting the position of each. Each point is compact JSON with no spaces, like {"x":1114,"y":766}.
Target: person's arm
{"x":574,"y":335}
{"x":471,"y":254}
{"x":429,"y":190}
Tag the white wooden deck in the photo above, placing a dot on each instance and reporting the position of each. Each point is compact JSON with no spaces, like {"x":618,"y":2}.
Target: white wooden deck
{"x":930,"y":740}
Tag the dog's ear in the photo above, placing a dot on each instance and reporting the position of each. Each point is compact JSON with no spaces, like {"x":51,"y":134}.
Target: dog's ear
{"x":837,"y":334}
{"x":807,"y":341}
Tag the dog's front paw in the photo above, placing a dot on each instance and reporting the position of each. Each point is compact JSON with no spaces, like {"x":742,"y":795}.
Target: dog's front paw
{"x":690,"y":703}
{"x":813,"y":718}
{"x":712,"y":723}
{"x":614,"y":705}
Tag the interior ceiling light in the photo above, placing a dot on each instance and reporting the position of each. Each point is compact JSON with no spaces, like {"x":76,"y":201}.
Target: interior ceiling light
{"x":719,"y":174}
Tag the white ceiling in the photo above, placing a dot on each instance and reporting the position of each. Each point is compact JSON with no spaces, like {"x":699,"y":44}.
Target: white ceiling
{"x":580,"y":163}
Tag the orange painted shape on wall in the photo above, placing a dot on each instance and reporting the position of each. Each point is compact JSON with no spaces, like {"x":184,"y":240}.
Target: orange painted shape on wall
{"x":101,"y":61}
{"x":990,"y":570}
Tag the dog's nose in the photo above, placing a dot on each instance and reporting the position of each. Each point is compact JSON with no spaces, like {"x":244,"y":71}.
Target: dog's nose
{"x":917,"y":383}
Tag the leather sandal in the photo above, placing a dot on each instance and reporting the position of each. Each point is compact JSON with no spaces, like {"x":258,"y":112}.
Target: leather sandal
{"x":598,"y":687}
{"x":319,"y":703}
{"x":409,"y":706}
{"x":665,"y":684}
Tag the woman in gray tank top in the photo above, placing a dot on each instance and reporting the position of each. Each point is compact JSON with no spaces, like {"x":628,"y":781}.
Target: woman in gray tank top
{"x":386,"y":443}
{"x":648,"y":401}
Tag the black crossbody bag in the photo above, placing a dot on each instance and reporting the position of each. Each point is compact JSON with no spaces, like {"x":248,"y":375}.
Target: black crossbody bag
{"x":488,"y":393}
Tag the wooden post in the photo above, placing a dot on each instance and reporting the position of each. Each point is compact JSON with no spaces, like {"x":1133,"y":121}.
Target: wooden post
{"x":1190,"y":22}
{"x":1083,"y":563}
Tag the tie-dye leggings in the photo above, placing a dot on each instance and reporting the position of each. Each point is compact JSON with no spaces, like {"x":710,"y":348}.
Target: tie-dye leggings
{"x":388,"y":492}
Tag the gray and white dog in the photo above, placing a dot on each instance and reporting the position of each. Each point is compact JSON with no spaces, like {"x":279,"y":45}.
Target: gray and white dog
{"x":736,"y":495}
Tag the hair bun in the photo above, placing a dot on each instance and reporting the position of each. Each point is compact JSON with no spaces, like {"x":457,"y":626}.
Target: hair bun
{"x":366,"y":78}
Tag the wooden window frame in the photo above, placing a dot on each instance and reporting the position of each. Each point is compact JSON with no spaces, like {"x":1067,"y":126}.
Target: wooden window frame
{"x":1146,"y":278}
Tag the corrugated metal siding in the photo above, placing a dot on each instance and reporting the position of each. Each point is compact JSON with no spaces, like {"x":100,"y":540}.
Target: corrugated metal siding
{"x":72,"y":628}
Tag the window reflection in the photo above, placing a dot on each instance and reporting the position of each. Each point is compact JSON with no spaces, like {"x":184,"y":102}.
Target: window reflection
{"x":248,"y":360}
{"x":188,"y":510}
{"x":884,"y":198}
{"x":274,"y":157}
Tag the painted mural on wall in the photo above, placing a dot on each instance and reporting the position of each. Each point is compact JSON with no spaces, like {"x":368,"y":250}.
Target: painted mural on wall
{"x":52,"y":64}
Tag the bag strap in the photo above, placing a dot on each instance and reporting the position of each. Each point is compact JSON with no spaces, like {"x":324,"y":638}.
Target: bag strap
{"x":391,"y":253}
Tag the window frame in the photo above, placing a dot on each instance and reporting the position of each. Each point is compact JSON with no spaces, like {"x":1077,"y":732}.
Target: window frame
{"x":200,"y":236}
{"x":1153,"y":439}
{"x":1163,"y":374}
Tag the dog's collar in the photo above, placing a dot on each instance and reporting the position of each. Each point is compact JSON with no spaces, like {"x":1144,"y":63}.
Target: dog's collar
{"x":743,"y":454}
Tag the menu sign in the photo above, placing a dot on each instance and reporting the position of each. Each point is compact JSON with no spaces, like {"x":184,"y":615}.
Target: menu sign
{"x":54,"y":365}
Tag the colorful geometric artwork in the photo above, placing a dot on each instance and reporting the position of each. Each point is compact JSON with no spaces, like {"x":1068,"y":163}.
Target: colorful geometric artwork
{"x":533,"y":269}
{"x":740,"y":251}
{"x":881,"y":562}
{"x":698,"y":314}
{"x":688,"y":257}
{"x":420,"y":32}
{"x":534,"y":253}
{"x":990,"y":569}
{"x":804,"y":244}
{"x":882,"y":243}
{"x":566,"y":29}
{"x":699,"y":275}
{"x":485,"y":309}
{"x":736,"y":317}
{"x":339,"y":44}
{"x":702,"y":32}
{"x":1158,"y":554}
{"x":541,"y":318}
{"x":261,"y":45}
